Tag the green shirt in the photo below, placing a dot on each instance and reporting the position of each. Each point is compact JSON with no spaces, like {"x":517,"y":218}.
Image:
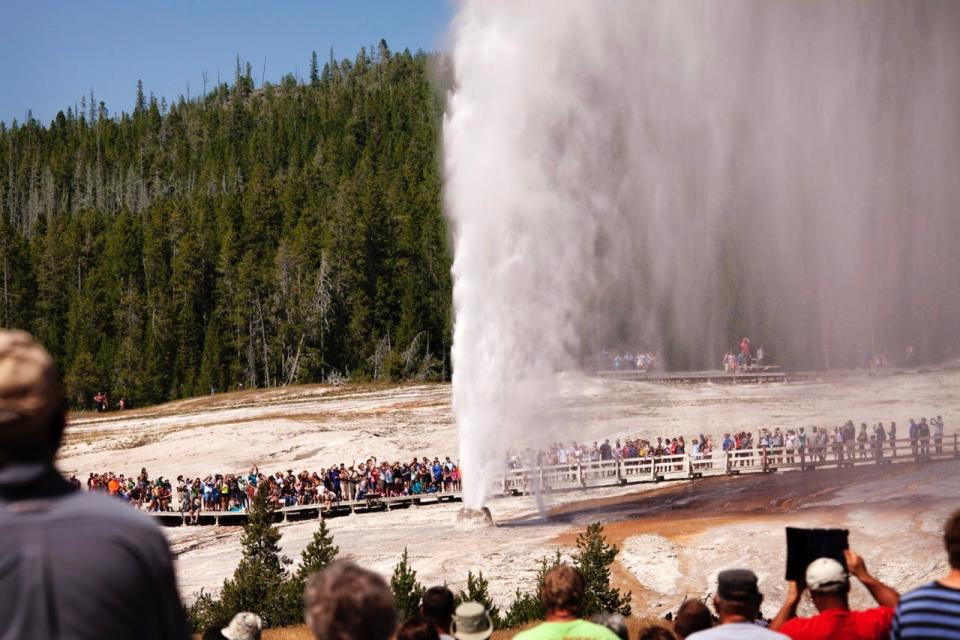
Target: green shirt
{"x":575,"y":629}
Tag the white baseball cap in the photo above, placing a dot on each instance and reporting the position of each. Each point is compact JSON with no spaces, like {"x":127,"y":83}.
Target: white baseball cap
{"x":826,"y":574}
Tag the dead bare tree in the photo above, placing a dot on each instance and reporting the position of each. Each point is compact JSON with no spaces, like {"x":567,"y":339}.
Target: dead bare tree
{"x":379,"y":355}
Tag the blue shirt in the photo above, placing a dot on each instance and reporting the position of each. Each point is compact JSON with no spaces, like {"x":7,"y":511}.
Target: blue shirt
{"x":930,"y":611}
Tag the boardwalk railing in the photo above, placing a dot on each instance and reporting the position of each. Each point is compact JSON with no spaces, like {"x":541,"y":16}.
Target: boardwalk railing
{"x":610,"y":473}
{"x":310,"y":511}
{"x":739,"y":461}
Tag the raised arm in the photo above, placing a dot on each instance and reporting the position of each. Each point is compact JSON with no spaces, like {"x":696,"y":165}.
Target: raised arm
{"x":789,"y":608}
{"x":884,"y":595}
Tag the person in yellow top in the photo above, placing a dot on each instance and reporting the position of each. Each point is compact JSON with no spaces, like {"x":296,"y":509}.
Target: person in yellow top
{"x":562,"y":595}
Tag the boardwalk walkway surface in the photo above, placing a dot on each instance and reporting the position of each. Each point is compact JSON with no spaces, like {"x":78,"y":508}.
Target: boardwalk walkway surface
{"x":610,"y":473}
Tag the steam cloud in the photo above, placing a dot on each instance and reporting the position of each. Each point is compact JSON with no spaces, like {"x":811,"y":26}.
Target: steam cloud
{"x":676,"y":174}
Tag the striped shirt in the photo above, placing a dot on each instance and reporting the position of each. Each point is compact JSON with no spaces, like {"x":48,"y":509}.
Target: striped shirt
{"x":930,"y":611}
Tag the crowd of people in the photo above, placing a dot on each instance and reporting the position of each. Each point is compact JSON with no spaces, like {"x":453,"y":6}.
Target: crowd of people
{"x":844,"y":441}
{"x":629,"y":360}
{"x":60,"y":545}
{"x":347,"y":601}
{"x":235,"y":492}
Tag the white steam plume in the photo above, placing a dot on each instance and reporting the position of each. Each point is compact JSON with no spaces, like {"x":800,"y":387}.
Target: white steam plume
{"x":673,"y":174}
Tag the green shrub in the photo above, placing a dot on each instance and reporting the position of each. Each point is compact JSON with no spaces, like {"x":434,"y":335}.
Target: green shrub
{"x":406,"y":590}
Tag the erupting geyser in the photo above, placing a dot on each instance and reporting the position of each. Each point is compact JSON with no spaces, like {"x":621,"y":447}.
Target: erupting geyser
{"x":674,"y":174}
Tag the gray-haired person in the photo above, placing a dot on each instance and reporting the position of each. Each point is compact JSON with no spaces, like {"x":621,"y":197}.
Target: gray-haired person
{"x":75,"y":564}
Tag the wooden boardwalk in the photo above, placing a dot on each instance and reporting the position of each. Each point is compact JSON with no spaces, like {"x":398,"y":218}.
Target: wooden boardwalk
{"x":611,"y":473}
{"x":311,"y":511}
{"x":759,"y":374}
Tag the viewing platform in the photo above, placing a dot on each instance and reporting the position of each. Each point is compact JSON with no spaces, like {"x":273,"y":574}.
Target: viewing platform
{"x":760,"y":373}
{"x":372,"y":503}
{"x":610,"y":473}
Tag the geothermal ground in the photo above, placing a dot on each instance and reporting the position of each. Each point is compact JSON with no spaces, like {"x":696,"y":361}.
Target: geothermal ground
{"x":675,"y":537}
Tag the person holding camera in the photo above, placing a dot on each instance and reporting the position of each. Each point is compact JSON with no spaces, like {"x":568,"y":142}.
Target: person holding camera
{"x":829,"y":585}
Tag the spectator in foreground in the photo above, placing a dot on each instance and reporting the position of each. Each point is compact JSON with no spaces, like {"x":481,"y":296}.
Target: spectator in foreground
{"x":345,"y":601}
{"x":693,"y":616}
{"x":244,"y":626}
{"x":436,"y":607}
{"x":472,"y":622}
{"x":63,"y":575}
{"x":933,"y":610}
{"x":829,"y":588}
{"x":737,"y":602}
{"x":562,"y":595}
{"x":417,"y":628}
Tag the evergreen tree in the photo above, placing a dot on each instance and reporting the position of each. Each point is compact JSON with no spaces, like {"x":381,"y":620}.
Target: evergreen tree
{"x":478,"y":590}
{"x":256,"y":237}
{"x":319,"y":553}
{"x":314,"y":70}
{"x":407,"y":591}
{"x":257,"y":584}
{"x":593,"y":559}
{"x":140,"y":105}
{"x":527,"y":606}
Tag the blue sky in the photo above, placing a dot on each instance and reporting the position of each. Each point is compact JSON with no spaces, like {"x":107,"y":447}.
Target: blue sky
{"x":54,"y":52}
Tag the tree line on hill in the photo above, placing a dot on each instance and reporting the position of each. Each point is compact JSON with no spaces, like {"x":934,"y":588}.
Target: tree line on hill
{"x":251,"y":236}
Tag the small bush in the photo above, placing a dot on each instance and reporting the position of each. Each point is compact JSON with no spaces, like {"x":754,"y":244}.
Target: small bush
{"x":406,"y":590}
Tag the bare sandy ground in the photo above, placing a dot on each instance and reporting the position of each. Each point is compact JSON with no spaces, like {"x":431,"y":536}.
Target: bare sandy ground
{"x":671,"y":549}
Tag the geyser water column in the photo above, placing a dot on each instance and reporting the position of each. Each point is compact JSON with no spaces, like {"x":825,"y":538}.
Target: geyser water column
{"x":675,"y":174}
{"x":523,"y":163}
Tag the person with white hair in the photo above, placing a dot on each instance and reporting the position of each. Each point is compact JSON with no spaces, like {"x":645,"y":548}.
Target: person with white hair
{"x":244,"y":626}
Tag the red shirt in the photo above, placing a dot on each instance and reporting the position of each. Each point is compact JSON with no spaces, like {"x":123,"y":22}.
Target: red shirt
{"x":871,"y":624}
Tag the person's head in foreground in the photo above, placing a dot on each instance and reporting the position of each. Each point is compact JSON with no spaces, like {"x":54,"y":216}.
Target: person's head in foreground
{"x":737,"y":602}
{"x":656,"y":632}
{"x":436,"y":606}
{"x":935,"y":606}
{"x":693,"y":616}
{"x":244,"y":626}
{"x":62,"y":542}
{"x":829,"y":585}
{"x":418,"y":628}
{"x":738,"y":597}
{"x":347,"y":602}
{"x":32,"y":411}
{"x":471,"y":622}
{"x":562,"y":595}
